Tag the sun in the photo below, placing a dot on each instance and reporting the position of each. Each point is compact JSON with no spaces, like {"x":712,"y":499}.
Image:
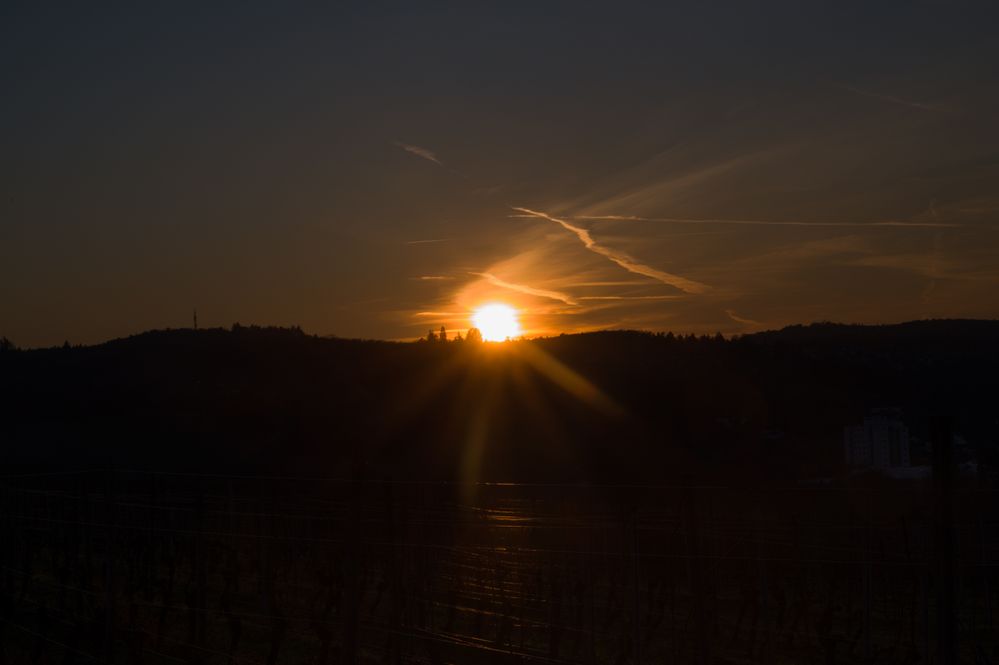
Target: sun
{"x":496,"y":321}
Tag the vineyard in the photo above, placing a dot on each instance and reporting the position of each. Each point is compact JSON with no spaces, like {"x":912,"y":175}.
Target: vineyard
{"x":137,"y":567}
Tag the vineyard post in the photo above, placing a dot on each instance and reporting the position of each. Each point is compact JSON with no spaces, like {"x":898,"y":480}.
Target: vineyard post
{"x":109,"y":566}
{"x":943,"y":480}
{"x":637,"y":599}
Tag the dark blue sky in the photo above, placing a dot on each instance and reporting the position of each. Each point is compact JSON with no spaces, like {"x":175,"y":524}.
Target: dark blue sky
{"x":358,"y":170}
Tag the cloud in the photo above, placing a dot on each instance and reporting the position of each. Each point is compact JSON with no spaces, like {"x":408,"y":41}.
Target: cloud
{"x":420,"y":152}
{"x":623,"y":282}
{"x":890,"y":99}
{"x":427,"y":241}
{"x":682,"y":174}
{"x":928,"y":265}
{"x":765,"y":222}
{"x":529,"y":290}
{"x":778,"y":262}
{"x":621,"y":259}
{"x":630,"y":297}
{"x":739,"y":319}
{"x":433,"y":278}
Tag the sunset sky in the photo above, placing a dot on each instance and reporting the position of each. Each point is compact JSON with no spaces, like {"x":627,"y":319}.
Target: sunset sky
{"x":375,"y":171}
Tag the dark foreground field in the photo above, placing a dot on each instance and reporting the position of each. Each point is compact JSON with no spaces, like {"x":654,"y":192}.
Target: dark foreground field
{"x":261,"y":496}
{"x":137,"y":567}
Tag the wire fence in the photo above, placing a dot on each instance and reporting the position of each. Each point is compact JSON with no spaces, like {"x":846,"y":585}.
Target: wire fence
{"x":131,"y":566}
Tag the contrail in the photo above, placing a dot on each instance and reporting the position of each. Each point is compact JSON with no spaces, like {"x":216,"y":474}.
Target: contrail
{"x":739,"y":319}
{"x":889,"y":98}
{"x":621,"y":259}
{"x":628,"y":282}
{"x":420,"y":152}
{"x":529,"y":290}
{"x":430,"y":156}
{"x":630,"y":297}
{"x":765,"y":222}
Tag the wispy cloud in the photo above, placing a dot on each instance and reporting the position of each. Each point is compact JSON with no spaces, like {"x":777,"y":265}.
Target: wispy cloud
{"x":662,"y":297}
{"x":929,"y":265}
{"x":427,"y":241}
{"x":433,"y":278}
{"x":677,"y":174}
{"x":623,"y":282}
{"x":440,"y":314}
{"x":621,"y":259}
{"x":766,"y":222}
{"x":891,"y":99}
{"x":420,"y":152}
{"x":740,"y":319}
{"x":777,"y":263}
{"x":528,"y":290}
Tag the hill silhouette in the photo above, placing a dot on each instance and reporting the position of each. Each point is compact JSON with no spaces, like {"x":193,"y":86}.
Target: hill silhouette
{"x":263,"y":495}
{"x":607,"y":405}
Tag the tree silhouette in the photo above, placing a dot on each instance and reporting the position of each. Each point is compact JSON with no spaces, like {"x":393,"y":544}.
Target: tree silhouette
{"x":6,"y":345}
{"x":473,"y":335}
{"x":431,"y":336}
{"x":442,"y":337}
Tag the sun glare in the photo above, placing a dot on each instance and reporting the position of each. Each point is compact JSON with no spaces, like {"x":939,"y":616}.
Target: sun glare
{"x":496,"y":322}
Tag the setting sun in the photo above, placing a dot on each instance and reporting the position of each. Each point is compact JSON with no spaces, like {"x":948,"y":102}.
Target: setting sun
{"x":496,"y":322}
